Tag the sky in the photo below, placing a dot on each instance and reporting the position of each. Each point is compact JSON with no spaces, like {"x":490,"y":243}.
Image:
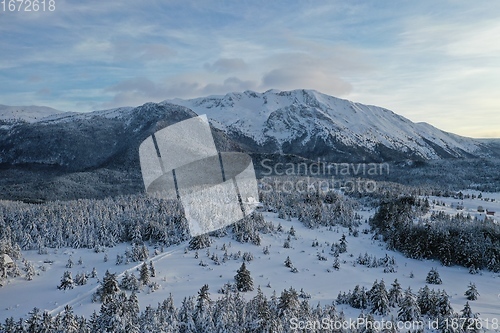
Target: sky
{"x":432,"y":61}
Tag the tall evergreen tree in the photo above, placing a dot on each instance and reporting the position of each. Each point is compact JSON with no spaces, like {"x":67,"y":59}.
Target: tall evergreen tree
{"x":33,"y":322}
{"x":244,"y":281}
{"x":379,"y":299}
{"x":472,"y":292}
{"x":443,"y":306}
{"x":409,"y":309}
{"x":433,"y":277}
{"x":109,"y":287}
{"x":395,"y":294}
{"x":152,"y":269}
{"x":470,"y":321}
{"x":144,"y":274}
{"x":66,"y":281}
{"x":199,"y":242}
{"x":202,"y":314}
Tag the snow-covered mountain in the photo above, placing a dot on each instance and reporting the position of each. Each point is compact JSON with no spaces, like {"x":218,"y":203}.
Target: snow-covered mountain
{"x":29,"y":114}
{"x":95,"y":154}
{"x":315,"y":125}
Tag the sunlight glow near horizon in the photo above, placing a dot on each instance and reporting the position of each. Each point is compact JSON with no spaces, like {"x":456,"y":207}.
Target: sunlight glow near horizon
{"x":437,"y":62}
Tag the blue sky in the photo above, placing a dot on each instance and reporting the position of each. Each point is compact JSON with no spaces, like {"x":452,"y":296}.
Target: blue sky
{"x":433,"y":61}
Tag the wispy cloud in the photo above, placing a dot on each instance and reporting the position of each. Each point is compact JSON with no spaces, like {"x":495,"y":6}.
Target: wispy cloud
{"x":434,"y":62}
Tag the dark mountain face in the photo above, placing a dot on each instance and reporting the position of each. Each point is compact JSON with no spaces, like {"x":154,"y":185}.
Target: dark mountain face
{"x":91,"y":155}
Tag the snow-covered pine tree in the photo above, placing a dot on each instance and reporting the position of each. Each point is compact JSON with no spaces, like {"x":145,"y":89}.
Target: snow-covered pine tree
{"x":426,"y":300}
{"x":443,"y":306}
{"x":108,"y":289}
{"x":202,"y":314}
{"x":81,"y":279}
{"x":46,"y":324}
{"x":395,"y":294}
{"x":286,"y":244}
{"x":30,"y":270}
{"x":149,"y":321}
{"x":288,"y":262}
{"x":33,"y":322}
{"x":288,"y":303}
{"x":66,"y":281}
{"x":133,"y":284}
{"x":379,"y":299}
{"x":131,"y":314}
{"x":144,"y":274}
{"x":433,"y":277}
{"x":470,"y":321}
{"x":186,"y":322}
{"x":409,"y":309}
{"x":472,"y":292}
{"x":336,"y":263}
{"x":244,"y":281}
{"x":69,"y":264}
{"x":152,"y":269}
{"x":68,"y":321}
{"x":343,"y":244}
{"x":359,"y":298}
{"x":199,"y":242}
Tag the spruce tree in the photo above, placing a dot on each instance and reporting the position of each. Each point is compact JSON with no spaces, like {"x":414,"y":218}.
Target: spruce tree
{"x":33,"y":322}
{"x":336,"y":263}
{"x":395,"y":294}
{"x":144,"y":274}
{"x":66,"y":281}
{"x":69,"y":264}
{"x":433,"y":277}
{"x":202,"y":317}
{"x":379,"y":299}
{"x":443,"y":306}
{"x":472,"y":292}
{"x":30,"y":270}
{"x":426,"y":300}
{"x":109,"y":287}
{"x":243,"y":279}
{"x":470,"y":321}
{"x":288,"y":302}
{"x":409,"y":309}
{"x":152,"y":270}
{"x":199,"y":242}
{"x":343,"y":244}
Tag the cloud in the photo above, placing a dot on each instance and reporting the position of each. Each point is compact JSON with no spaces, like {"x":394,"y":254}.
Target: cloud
{"x":429,"y":61}
{"x":231,"y":84}
{"x":141,"y":52}
{"x":44,"y":92}
{"x":226,"y":65}
{"x":139,"y":90}
{"x":298,"y":78}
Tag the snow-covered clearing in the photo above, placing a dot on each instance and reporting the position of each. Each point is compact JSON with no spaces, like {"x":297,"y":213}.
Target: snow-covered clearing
{"x":179,"y":273}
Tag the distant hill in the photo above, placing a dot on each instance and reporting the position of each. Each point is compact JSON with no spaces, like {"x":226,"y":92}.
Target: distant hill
{"x":29,"y":114}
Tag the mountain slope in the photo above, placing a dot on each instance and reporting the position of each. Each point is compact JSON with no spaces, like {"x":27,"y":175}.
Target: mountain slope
{"x":87,"y":155}
{"x":95,"y":154}
{"x":29,"y":114}
{"x":315,"y":125}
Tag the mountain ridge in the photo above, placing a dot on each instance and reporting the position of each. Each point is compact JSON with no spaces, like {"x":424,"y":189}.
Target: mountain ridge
{"x":95,"y":154}
{"x":270,"y":119}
